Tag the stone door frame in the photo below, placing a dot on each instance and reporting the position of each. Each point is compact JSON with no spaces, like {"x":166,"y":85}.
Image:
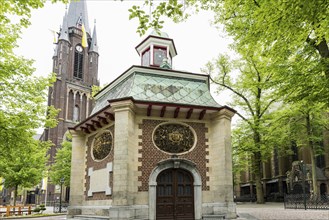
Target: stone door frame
{"x":175,"y":163}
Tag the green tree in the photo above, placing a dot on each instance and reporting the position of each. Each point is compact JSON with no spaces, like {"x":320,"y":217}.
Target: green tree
{"x":242,"y":141}
{"x":22,"y":95}
{"x":22,"y":100}
{"x":290,"y":32}
{"x":23,"y":164}
{"x":62,"y":166}
{"x":251,"y":82}
{"x":304,"y":124}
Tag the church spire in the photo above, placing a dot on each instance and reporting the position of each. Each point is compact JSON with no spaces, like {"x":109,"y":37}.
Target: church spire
{"x":64,"y":35}
{"x":94,"y":45}
{"x":78,"y":13}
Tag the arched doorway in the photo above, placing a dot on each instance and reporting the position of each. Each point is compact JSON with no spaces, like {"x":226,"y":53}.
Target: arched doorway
{"x":175,"y":196}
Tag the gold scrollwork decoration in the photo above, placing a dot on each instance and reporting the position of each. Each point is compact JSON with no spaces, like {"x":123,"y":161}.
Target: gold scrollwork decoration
{"x":174,"y":138}
{"x":102,"y":145}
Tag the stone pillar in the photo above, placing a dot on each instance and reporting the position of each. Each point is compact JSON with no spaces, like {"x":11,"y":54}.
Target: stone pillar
{"x":123,"y":156}
{"x":67,"y":103}
{"x":77,"y":172}
{"x":220,"y":163}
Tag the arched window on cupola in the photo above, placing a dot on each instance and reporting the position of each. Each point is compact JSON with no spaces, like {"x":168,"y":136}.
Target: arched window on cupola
{"x":76,"y":113}
{"x":78,"y":62}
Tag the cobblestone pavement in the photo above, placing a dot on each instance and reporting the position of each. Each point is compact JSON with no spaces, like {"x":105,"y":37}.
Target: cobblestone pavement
{"x":251,"y":211}
{"x":58,"y":217}
{"x":276,"y":211}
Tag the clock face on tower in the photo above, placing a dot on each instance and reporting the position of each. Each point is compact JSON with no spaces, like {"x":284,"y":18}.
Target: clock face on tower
{"x":79,"y":48}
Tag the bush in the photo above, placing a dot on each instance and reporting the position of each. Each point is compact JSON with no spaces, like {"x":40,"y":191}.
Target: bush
{"x":39,"y":208}
{"x":36,"y":209}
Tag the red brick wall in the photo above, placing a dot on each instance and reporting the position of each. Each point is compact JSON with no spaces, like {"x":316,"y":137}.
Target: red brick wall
{"x":150,"y":155}
{"x":90,"y":162}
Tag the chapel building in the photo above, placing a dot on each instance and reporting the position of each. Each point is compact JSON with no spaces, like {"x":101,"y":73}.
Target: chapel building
{"x":155,"y":146}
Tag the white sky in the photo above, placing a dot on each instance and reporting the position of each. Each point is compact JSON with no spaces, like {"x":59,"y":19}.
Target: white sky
{"x":196,"y":41}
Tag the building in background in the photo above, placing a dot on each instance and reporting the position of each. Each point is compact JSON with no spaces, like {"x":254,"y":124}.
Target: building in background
{"x":75,"y":63}
{"x":285,"y":175}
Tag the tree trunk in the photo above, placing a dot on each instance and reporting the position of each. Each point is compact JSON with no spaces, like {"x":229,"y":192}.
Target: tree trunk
{"x":313,"y":161}
{"x":314,"y":176}
{"x":257,"y":168}
{"x":15,"y":194}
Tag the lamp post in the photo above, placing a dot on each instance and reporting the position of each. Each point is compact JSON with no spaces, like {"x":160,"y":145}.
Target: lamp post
{"x":60,"y":195}
{"x":303,"y":182}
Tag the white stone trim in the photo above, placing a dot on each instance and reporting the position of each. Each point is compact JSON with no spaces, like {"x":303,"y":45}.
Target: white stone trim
{"x":175,"y":163}
{"x":99,"y":180}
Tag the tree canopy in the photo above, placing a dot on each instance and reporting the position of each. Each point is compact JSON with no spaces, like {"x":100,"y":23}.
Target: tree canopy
{"x":23,"y":164}
{"x":23,"y":98}
{"x":250,"y":79}
{"x":292,"y":33}
{"x":61,"y":169}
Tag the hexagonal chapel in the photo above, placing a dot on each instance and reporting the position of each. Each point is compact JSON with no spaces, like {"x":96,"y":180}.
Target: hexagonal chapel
{"x":156,"y":145}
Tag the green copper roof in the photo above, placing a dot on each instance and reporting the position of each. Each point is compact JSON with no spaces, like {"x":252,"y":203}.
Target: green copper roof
{"x":159,"y":33}
{"x":150,"y":87}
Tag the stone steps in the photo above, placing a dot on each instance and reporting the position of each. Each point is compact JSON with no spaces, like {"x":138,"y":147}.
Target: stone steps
{"x":88,"y":217}
{"x":213,"y":217}
{"x":94,"y":217}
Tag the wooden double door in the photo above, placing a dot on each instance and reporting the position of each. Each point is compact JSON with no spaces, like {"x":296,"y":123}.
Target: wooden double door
{"x":175,"y":197}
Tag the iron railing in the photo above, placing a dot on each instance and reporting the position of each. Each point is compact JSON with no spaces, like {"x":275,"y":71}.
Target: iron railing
{"x":306,"y":201}
{"x":60,"y":207}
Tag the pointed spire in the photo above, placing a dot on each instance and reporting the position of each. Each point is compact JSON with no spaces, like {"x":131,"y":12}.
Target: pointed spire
{"x":79,"y":21}
{"x":64,"y":35}
{"x":94,"y":45}
{"x":78,"y":13}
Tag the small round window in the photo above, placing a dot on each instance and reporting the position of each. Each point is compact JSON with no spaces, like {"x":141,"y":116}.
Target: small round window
{"x":174,"y":138}
{"x":102,"y":145}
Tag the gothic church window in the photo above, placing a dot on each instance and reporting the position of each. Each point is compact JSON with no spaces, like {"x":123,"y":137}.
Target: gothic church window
{"x":76,"y":113}
{"x":70,"y":105}
{"x":78,"y":62}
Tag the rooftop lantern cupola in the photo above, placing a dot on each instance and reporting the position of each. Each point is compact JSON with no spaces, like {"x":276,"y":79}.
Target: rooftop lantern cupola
{"x":157,"y":50}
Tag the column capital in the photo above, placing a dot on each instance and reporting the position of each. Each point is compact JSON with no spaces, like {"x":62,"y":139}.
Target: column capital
{"x":75,"y":133}
{"x":123,"y":105}
{"x":224,"y":113}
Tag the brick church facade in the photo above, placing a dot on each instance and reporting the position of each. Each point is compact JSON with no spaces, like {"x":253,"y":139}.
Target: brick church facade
{"x":76,"y":69}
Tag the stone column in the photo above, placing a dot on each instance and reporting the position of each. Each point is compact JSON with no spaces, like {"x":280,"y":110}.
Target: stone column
{"x":87,"y":105}
{"x":220,"y":162}
{"x":67,"y":103}
{"x":77,"y":172}
{"x":123,"y":156}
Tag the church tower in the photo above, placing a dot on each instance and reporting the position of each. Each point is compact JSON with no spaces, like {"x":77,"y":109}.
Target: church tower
{"x":75,"y":63}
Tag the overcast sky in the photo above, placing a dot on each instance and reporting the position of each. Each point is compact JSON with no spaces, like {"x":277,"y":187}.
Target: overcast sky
{"x":196,"y":40}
